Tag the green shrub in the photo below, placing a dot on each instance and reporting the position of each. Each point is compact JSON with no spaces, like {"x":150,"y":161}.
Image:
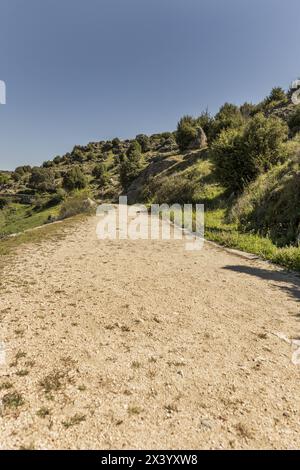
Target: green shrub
{"x":3,"y":203}
{"x":42,"y":179}
{"x":270,"y":206}
{"x":294,"y":121}
{"x":58,"y":159}
{"x":175,"y":189}
{"x":130,"y":165}
{"x":100,"y":174}
{"x":206,"y":121}
{"x":228,"y":117}
{"x":241,"y":154}
{"x":144,"y":142}
{"x":77,"y":204}
{"x":48,"y":164}
{"x":277,"y":95}
{"x":74,"y":179}
{"x":4,"y":179}
{"x":186,"y":132}
{"x":20,"y":172}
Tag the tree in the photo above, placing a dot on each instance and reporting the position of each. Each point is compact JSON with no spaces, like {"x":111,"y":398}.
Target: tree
{"x":42,"y":179}
{"x":186,"y":132}
{"x":48,"y":164}
{"x":277,"y":94}
{"x":228,"y":117}
{"x":206,"y":121}
{"x":130,"y":165}
{"x":4,"y":179}
{"x":100,"y":173}
{"x":74,"y":179}
{"x":241,"y":154}
{"x":144,"y":142}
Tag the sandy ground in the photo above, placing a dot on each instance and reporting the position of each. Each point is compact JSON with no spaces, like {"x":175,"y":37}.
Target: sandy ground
{"x":142,"y":344}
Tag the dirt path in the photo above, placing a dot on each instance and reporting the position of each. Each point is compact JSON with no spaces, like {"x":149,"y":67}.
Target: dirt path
{"x":142,"y":344}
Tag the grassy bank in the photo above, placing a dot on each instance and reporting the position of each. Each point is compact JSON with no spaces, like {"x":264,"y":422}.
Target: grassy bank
{"x":217,"y":230}
{"x":55,"y":232}
{"x":19,"y":217}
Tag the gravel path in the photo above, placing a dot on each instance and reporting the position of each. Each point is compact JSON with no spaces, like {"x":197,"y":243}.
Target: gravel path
{"x":142,"y":344}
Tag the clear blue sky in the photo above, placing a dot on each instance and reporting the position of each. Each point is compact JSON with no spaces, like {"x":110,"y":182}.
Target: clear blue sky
{"x":84,"y":70}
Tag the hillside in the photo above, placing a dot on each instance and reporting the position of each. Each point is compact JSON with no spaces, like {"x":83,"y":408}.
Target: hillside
{"x":195,"y":164}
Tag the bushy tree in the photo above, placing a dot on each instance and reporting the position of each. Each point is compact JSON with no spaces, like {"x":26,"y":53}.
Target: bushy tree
{"x":48,"y":164}
{"x":186,"y":132}
{"x":4,"y":179}
{"x":130,"y":165}
{"x":20,"y":172}
{"x":77,"y":155}
{"x":100,"y":173}
{"x":116,"y":142}
{"x":247,"y":110}
{"x":42,"y":179}
{"x":206,"y":121}
{"x":74,"y":179}
{"x":3,"y":203}
{"x":241,"y":154}
{"x":228,"y":117}
{"x":144,"y":142}
{"x":277,"y":94}
{"x":58,"y":159}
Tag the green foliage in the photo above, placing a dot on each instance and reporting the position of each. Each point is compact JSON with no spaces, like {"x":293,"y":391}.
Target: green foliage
{"x":144,"y":142}
{"x":134,"y":150}
{"x":74,"y":179}
{"x":130,"y":165}
{"x":20,"y":172}
{"x":77,"y":155}
{"x":206,"y":121}
{"x":4,"y":179}
{"x":76,"y":204}
{"x":100,"y":174}
{"x":247,"y":110}
{"x":294,"y":121}
{"x":58,"y":159}
{"x":270,"y":206}
{"x":48,"y":164}
{"x":186,"y":132}
{"x":241,"y":154}
{"x":42,"y":179}
{"x":277,"y":95}
{"x":116,"y":142}
{"x":175,"y":189}
{"x":228,"y":117}
{"x":3,"y":203}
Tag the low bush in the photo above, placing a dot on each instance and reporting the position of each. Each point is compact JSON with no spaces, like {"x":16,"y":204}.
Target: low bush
{"x":76,"y":204}
{"x":241,"y":154}
{"x":74,"y":179}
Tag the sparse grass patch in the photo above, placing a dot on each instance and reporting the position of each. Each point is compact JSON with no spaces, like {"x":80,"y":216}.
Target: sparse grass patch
{"x":43,"y":412}
{"x":53,"y":232}
{"x":74,"y":420}
{"x":6,"y":385}
{"x":136,"y":365}
{"x":134,"y":410}
{"x":22,"y":372}
{"x":52,"y":382}
{"x":13,"y":400}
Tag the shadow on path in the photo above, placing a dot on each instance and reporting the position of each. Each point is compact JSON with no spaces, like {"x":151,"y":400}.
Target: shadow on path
{"x":286,"y":281}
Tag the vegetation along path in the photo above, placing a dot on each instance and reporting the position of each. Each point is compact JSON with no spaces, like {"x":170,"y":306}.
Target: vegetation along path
{"x":142,"y":344}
